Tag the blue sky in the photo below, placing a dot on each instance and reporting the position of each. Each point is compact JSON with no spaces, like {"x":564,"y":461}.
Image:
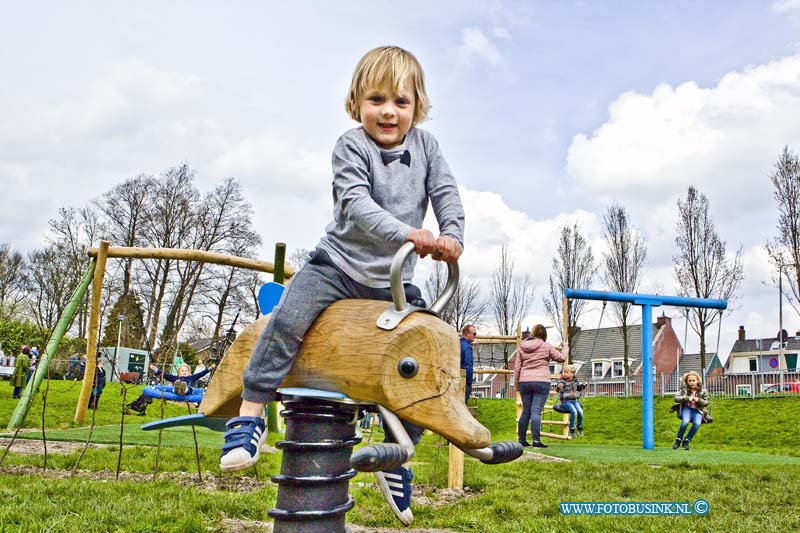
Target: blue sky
{"x":547,"y":112}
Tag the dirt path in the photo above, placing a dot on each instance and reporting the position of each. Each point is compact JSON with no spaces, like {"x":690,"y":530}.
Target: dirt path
{"x":36,"y":446}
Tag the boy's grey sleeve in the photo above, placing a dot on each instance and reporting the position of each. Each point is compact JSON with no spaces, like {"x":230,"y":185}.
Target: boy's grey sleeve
{"x":352,"y":194}
{"x":444,"y":196}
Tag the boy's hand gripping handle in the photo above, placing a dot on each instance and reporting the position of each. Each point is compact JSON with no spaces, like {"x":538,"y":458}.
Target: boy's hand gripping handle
{"x":400,"y":308}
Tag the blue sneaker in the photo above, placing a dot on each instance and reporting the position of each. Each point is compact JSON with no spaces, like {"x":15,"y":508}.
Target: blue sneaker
{"x":396,"y":487}
{"x":243,"y":440}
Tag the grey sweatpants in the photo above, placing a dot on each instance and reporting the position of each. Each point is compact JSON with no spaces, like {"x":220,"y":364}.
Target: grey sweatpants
{"x":316,"y":286}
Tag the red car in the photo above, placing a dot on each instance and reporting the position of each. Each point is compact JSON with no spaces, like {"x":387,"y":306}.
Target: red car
{"x":791,"y":387}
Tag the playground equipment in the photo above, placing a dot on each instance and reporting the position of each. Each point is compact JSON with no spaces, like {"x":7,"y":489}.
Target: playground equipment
{"x":94,"y":276}
{"x":552,"y":417}
{"x":549,"y":416}
{"x":401,"y":361}
{"x":168,"y":393}
{"x":647,"y":302}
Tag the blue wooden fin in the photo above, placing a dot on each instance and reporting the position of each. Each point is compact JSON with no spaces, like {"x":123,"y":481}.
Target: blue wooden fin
{"x":268,"y":296}
{"x":198,"y":419}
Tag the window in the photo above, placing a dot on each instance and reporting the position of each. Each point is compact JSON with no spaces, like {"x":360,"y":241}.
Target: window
{"x":597,"y":370}
{"x":618,"y":369}
{"x":552,"y":369}
{"x":753,"y":364}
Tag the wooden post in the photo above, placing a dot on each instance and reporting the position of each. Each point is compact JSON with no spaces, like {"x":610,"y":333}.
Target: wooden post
{"x":455,"y":469}
{"x":565,"y":324}
{"x":277,"y":277}
{"x":94,"y":327}
{"x":455,"y":457}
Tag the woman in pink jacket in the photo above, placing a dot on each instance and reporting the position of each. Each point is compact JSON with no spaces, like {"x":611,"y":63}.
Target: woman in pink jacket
{"x":532,"y":376}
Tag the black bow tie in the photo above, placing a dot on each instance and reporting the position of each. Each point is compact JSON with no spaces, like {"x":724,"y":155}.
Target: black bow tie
{"x":404,"y":157}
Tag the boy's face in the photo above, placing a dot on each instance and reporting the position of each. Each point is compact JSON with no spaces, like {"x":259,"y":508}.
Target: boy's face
{"x":692,"y":382}
{"x":569,"y":375}
{"x":386,"y":116}
{"x":183,"y":371}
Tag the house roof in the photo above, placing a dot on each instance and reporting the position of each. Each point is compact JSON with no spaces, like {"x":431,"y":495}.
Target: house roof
{"x":764,"y":345}
{"x":606,"y":342}
{"x":691,"y":361}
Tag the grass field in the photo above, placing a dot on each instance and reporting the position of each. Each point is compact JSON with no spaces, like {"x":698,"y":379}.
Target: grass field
{"x":746,"y":465}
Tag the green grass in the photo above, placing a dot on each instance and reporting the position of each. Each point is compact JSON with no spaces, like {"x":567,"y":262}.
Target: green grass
{"x":746,"y":464}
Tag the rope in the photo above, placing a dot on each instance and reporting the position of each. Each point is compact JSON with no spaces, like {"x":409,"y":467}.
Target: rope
{"x":196,"y":447}
{"x":719,"y":331}
{"x":597,"y":330}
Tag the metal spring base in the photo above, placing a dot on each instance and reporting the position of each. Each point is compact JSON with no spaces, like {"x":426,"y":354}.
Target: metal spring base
{"x":315,"y":473}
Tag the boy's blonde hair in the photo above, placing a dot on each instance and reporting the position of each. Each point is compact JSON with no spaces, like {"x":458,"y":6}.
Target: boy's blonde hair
{"x":184,"y":365}
{"x":695,"y":374}
{"x":571,"y":369}
{"x":387,"y":67}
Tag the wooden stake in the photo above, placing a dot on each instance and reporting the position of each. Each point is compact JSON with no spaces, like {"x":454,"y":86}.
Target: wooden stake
{"x":455,"y":468}
{"x":565,"y":324}
{"x":94,"y":328}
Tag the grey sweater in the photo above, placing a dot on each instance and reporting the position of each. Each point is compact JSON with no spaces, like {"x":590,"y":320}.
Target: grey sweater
{"x":375,"y":205}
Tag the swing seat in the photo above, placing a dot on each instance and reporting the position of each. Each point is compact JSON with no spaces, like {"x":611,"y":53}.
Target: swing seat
{"x":168,"y":393}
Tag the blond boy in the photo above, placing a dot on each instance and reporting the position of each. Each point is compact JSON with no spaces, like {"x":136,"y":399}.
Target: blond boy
{"x":385,"y":173}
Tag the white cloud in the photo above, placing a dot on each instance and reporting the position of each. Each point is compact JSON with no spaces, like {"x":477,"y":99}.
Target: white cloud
{"x":501,"y":33}
{"x":654,"y":146}
{"x":532,"y":243}
{"x":475,"y":44}
{"x":786,"y":6}
{"x":288,"y":184}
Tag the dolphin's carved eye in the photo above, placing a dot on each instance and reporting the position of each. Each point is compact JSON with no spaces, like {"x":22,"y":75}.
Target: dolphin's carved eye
{"x":408,"y":367}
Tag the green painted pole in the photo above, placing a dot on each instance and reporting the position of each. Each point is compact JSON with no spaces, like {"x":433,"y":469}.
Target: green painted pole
{"x":277,"y":277}
{"x":24,"y":405}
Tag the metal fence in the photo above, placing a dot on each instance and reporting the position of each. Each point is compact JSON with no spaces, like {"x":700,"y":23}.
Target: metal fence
{"x":745,"y":385}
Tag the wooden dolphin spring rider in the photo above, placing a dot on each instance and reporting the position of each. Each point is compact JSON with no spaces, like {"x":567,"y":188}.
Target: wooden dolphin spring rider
{"x":358,"y":355}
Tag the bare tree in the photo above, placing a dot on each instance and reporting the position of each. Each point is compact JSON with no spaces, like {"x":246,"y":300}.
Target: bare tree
{"x":701,"y":268}
{"x":170,"y":224}
{"x":784,"y":250}
{"x":623,"y":260}
{"x":465,"y":307}
{"x":12,"y":281}
{"x":72,"y":233}
{"x":220,"y":222}
{"x":49,"y":286}
{"x":299,"y":257}
{"x":572,"y":268}
{"x":253,"y":286}
{"x":125,"y":211}
{"x":510,"y":298}
{"x":228,"y":287}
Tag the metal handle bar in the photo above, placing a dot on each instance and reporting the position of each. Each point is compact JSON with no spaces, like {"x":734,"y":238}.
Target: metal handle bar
{"x":396,"y":277}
